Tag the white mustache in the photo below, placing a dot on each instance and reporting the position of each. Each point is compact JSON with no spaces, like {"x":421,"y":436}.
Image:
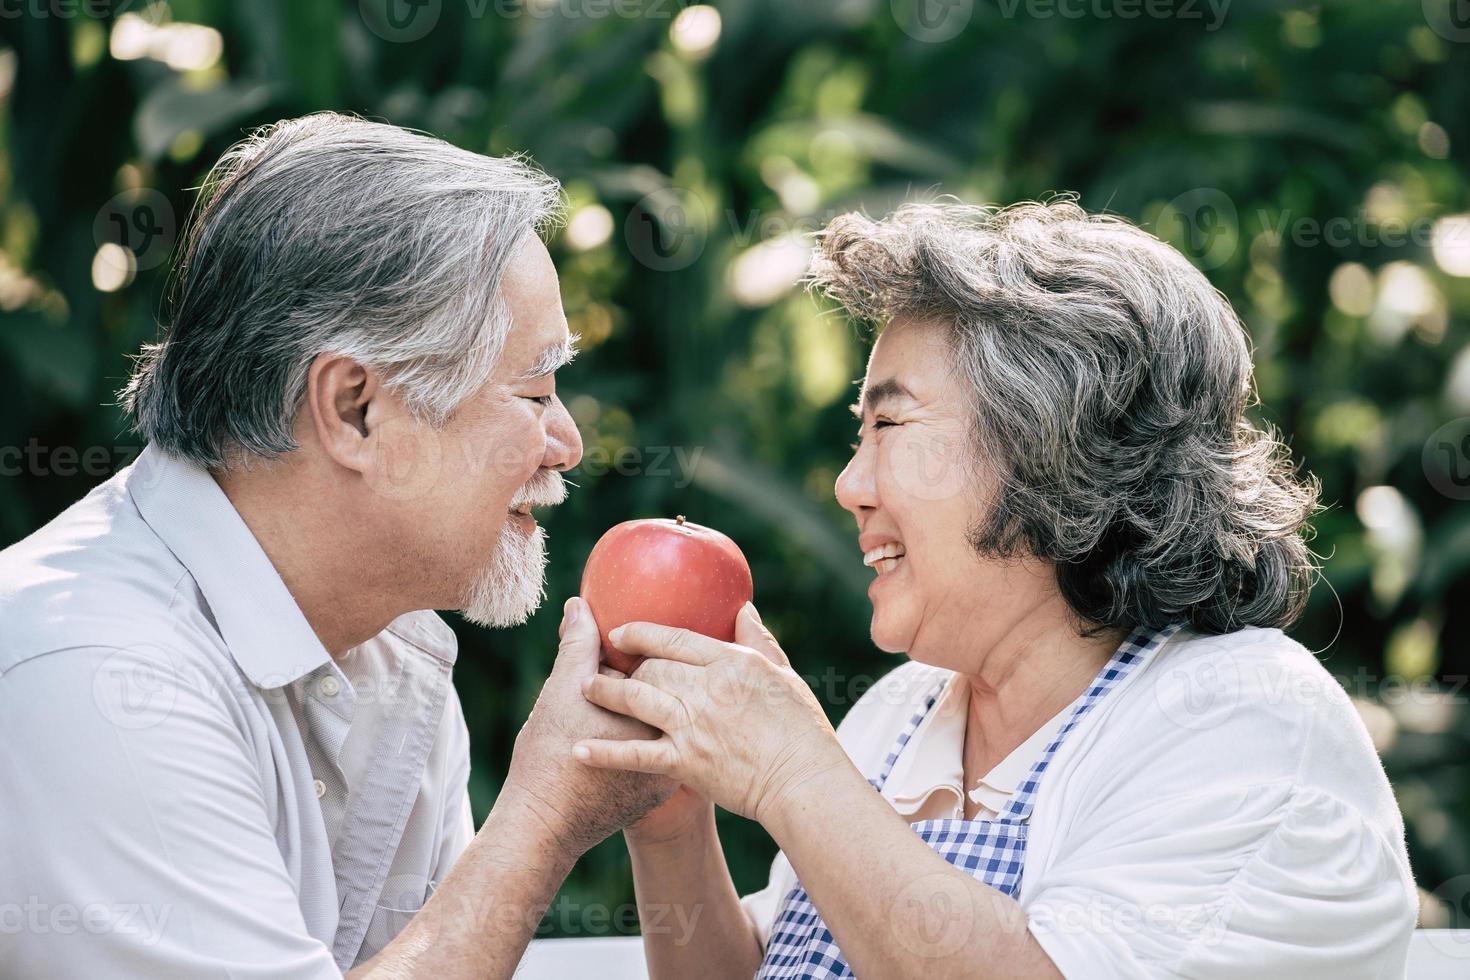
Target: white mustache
{"x":545,"y":489}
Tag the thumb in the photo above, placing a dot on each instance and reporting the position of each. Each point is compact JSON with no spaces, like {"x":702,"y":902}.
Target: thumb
{"x":581,"y":643}
{"x":751,"y":632}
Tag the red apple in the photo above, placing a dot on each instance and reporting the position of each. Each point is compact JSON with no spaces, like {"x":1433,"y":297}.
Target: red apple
{"x":673,"y":573}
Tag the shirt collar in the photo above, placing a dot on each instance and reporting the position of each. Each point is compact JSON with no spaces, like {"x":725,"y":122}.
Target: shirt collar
{"x":261,"y":623}
{"x":1009,"y":772}
{"x":933,"y":760}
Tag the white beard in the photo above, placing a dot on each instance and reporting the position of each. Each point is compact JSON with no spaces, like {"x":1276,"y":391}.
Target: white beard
{"x":513,"y":585}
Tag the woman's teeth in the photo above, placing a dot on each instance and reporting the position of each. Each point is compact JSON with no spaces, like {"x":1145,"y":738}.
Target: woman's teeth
{"x":884,"y":558}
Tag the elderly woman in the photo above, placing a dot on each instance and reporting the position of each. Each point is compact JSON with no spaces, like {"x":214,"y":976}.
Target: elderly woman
{"x":1103,"y":757}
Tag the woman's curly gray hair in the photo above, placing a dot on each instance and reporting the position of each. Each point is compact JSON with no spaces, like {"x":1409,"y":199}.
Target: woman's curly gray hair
{"x":1110,"y":382}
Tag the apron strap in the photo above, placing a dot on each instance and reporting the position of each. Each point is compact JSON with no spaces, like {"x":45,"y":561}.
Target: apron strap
{"x":1139,"y":643}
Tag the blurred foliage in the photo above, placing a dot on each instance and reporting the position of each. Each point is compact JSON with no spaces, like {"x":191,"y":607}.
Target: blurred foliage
{"x":692,"y":149}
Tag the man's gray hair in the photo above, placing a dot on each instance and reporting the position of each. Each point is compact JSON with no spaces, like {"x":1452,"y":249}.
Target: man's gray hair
{"x":330,"y":234}
{"x":1109,"y":384}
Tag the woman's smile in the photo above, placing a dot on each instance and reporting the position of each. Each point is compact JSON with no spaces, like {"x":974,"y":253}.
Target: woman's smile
{"x":884,"y":558}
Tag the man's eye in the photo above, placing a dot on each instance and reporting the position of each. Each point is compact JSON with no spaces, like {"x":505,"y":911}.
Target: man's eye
{"x":883,"y":423}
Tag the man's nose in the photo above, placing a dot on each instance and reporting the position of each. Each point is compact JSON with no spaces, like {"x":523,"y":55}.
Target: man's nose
{"x":563,"y":441}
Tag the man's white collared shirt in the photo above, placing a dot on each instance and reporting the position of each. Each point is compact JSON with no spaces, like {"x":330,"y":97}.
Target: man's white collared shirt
{"x":191,"y":786}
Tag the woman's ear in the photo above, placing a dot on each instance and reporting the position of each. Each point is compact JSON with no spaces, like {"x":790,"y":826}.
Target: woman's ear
{"x":339,"y":395}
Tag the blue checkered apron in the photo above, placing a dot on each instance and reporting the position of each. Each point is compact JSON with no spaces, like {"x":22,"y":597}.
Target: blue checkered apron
{"x":801,"y":947}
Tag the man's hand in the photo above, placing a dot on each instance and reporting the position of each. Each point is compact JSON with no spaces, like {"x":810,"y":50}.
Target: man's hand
{"x":582,"y":805}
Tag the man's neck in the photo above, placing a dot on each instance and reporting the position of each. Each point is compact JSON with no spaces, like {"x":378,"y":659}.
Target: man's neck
{"x":322,"y":565}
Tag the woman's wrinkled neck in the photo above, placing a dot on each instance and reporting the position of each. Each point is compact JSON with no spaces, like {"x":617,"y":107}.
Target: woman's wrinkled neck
{"x":1026,"y":675}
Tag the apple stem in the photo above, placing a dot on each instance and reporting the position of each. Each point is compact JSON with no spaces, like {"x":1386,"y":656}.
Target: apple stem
{"x":679,"y":519}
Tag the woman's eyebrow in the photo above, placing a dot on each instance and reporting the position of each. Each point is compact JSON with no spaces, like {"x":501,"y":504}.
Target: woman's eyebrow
{"x":875,"y":395}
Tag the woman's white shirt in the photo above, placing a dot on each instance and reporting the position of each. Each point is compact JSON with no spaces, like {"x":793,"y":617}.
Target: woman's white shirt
{"x":1221,"y":813}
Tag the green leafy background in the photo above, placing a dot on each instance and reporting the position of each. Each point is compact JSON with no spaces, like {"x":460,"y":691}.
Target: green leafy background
{"x":688,"y":170}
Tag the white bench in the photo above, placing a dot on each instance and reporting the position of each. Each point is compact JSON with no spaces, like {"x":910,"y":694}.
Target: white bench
{"x":1435,"y":954}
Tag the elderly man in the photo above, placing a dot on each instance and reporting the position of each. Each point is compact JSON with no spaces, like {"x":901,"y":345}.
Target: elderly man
{"x":233,"y":746}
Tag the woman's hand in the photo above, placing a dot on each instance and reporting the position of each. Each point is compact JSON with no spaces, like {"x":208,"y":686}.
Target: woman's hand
{"x":686,"y":809}
{"x":739,"y":726}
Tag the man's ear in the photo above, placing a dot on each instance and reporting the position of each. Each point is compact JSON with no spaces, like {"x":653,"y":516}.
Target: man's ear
{"x":339,"y":394}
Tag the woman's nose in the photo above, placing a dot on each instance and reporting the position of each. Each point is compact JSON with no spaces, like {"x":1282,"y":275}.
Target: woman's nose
{"x":856,"y":491}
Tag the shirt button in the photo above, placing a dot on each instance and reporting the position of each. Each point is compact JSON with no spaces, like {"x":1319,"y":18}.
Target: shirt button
{"x":329,"y":686}
{"x":320,"y":787}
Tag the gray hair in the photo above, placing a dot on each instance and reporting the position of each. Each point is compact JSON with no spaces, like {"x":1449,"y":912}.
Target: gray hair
{"x":330,"y":234}
{"x":1110,"y":382}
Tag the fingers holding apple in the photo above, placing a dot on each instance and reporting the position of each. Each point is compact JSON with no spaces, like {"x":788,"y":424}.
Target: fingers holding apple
{"x":675,"y":573}
{"x":691,"y":587}
{"x":738,"y":727}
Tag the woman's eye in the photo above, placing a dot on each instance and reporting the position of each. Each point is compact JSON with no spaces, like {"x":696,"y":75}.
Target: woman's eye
{"x":539,"y":399}
{"x":883,"y":423}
